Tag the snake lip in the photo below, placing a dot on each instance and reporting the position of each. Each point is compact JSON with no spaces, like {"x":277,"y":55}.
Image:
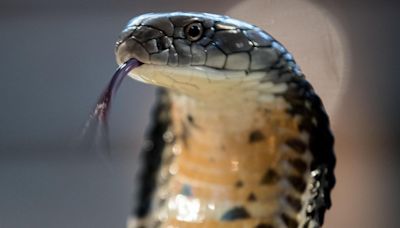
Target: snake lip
{"x":131,"y":48}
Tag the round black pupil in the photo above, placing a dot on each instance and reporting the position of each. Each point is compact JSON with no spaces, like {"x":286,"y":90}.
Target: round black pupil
{"x":194,"y":30}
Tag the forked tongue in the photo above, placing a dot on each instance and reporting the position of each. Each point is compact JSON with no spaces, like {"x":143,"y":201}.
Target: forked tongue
{"x":95,"y":131}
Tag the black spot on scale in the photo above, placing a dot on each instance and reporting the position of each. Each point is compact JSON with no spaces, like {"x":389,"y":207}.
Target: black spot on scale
{"x":185,"y":133}
{"x":190,"y":119}
{"x":270,"y":177}
{"x":264,"y":225}
{"x":306,"y":125}
{"x":298,"y":183}
{"x":256,"y":136}
{"x":186,"y":190}
{"x":239,"y":184}
{"x":298,"y":164}
{"x":235,"y":214}
{"x":290,"y":222}
{"x":252,"y":197}
{"x":294,"y":202}
{"x":297,"y":145}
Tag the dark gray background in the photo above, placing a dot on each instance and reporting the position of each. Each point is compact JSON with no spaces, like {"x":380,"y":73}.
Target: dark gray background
{"x":56,"y":57}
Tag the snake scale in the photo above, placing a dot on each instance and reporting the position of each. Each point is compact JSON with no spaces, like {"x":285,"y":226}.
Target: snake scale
{"x":238,"y":137}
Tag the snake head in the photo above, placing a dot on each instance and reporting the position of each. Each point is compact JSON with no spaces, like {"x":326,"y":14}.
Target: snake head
{"x":195,"y":46}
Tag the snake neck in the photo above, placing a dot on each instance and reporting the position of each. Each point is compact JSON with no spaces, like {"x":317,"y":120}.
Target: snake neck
{"x":229,"y":109}
{"x":233,"y":148}
{"x":216,"y":118}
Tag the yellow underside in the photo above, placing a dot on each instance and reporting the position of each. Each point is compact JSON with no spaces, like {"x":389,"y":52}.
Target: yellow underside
{"x":222,"y":168}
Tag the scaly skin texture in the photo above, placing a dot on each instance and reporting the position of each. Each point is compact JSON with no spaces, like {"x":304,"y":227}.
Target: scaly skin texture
{"x":238,"y":138}
{"x":214,"y":170}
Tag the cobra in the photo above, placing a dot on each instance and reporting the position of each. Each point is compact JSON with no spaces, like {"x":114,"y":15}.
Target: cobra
{"x":238,"y":137}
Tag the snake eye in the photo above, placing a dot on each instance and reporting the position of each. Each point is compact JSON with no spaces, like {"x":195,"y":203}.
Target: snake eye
{"x":194,"y":31}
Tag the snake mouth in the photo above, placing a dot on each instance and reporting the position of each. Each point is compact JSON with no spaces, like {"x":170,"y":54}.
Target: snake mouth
{"x":131,"y":48}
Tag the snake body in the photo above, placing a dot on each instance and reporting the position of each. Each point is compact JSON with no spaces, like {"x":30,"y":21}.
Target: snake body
{"x":238,"y":138}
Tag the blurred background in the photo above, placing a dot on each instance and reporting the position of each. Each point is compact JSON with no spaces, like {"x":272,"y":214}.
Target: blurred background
{"x":57,"y":55}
